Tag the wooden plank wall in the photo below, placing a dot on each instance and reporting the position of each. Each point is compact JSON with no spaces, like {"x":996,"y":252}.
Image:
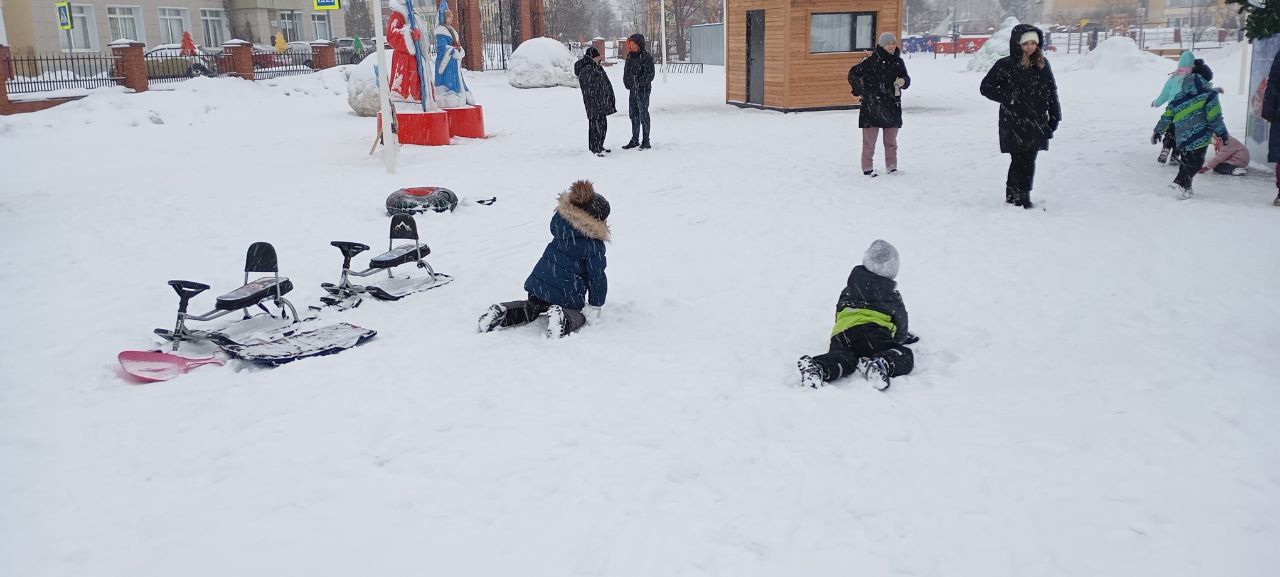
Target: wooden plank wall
{"x":775,"y":41}
{"x":821,"y":80}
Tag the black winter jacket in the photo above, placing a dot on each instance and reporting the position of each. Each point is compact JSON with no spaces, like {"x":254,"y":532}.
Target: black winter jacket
{"x":597,"y":91}
{"x":1028,"y":97}
{"x":868,"y":290}
{"x":637,"y":74}
{"x":872,"y":79}
{"x":1271,"y":110}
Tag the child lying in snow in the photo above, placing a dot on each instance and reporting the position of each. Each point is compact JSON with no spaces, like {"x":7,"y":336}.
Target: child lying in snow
{"x":871,"y":326}
{"x":571,"y":267}
{"x":1231,"y":158}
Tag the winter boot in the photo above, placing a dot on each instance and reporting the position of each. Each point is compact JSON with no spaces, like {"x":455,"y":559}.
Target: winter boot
{"x":562,"y":322}
{"x":1238,"y":171}
{"x":1010,"y":195}
{"x":630,"y":145}
{"x":1276,"y":202}
{"x":811,"y":374}
{"x":1183,"y":193}
{"x":1164,"y":155}
{"x":492,"y":318}
{"x":875,"y":370}
{"x":1024,"y":196}
{"x":508,"y":314}
{"x":645,"y":145}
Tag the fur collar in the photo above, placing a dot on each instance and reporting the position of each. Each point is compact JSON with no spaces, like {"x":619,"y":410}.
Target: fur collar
{"x":580,"y":220}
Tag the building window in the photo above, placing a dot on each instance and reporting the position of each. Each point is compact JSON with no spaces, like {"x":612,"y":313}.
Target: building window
{"x":214,"y":23}
{"x":125,"y":23}
{"x":83,"y":36}
{"x":846,"y":32}
{"x":173,"y":22}
{"x":320,"y":21}
{"x":289,"y":25}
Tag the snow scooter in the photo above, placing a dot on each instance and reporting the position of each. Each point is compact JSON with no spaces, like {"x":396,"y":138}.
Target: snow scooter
{"x":345,"y":295}
{"x":261,"y":339}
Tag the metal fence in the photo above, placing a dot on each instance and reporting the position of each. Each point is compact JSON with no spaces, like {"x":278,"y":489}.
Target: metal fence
{"x":55,"y":71}
{"x":171,"y":66}
{"x":353,"y":56}
{"x":499,"y":27}
{"x":684,"y":67}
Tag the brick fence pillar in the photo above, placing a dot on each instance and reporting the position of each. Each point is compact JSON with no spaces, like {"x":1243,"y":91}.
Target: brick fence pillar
{"x":323,"y":55}
{"x":241,"y":58}
{"x":132,"y":67}
{"x":5,"y":73}
{"x":472,"y":38}
{"x":526,"y":20}
{"x":538,"y":14}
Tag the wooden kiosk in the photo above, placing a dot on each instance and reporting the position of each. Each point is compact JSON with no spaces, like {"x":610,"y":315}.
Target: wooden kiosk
{"x":794,"y":55}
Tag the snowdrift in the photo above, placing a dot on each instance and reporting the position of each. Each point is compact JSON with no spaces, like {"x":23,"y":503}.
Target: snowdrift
{"x":997,"y":47}
{"x":362,"y":86}
{"x":1120,"y":55}
{"x":541,"y":63}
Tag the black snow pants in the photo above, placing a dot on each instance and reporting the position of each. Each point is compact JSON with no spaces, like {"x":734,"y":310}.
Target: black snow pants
{"x":847,"y":347}
{"x":596,"y":128}
{"x":524,"y":312}
{"x":1022,"y":173}
{"x":638,"y":108}
{"x":1189,"y":165}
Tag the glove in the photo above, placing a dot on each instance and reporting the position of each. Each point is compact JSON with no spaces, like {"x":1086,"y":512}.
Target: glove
{"x":1155,"y":138}
{"x":1226,"y":138}
{"x":908,"y":339}
{"x":899,"y":82}
{"x":416,"y":35}
{"x":1204,"y":169}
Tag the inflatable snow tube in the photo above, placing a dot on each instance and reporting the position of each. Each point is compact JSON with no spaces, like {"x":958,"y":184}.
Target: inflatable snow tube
{"x":421,"y":199}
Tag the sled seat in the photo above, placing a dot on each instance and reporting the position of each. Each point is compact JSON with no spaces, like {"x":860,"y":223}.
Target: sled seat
{"x":253,"y":293}
{"x":400,"y":255}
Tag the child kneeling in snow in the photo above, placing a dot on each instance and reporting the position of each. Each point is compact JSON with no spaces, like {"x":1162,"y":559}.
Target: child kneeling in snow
{"x":871,"y":326}
{"x":571,"y":267}
{"x":1232,"y":158}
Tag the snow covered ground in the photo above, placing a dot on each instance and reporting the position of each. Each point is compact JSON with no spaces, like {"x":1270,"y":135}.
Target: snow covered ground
{"x":1095,"y":392}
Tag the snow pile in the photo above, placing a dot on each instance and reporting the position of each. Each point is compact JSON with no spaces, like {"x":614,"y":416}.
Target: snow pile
{"x":362,"y":86}
{"x":1120,"y":55}
{"x":541,"y":63}
{"x":997,"y":47}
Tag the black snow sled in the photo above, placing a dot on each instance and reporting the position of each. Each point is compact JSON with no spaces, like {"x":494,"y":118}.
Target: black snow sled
{"x":345,"y":295}
{"x":267,"y":339}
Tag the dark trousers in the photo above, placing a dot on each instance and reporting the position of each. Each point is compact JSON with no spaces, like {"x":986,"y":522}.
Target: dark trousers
{"x":524,"y":312}
{"x":638,"y":107}
{"x":1225,"y":168}
{"x":1189,"y":165}
{"x":1022,"y":171}
{"x":596,"y":128}
{"x":847,"y":347}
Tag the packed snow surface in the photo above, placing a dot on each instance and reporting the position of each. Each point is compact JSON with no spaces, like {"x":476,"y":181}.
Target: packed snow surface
{"x":541,"y":63}
{"x":362,"y":86}
{"x":1095,"y":392}
{"x":1120,"y":55}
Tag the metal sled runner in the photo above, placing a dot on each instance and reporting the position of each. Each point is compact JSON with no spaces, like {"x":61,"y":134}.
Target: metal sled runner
{"x":346,"y":295}
{"x":278,"y":340}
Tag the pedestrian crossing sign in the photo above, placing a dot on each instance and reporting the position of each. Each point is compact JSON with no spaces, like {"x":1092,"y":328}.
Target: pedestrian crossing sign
{"x":64,"y":15}
{"x":325,"y":4}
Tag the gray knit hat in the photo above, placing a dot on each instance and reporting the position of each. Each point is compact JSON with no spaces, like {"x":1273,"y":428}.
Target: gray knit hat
{"x":887,"y":37}
{"x":881,"y":258}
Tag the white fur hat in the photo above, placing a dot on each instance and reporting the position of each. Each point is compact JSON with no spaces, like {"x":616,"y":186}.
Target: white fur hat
{"x":1029,"y":36}
{"x":881,"y":258}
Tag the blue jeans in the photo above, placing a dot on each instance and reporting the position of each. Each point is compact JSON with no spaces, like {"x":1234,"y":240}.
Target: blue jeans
{"x":638,"y":107}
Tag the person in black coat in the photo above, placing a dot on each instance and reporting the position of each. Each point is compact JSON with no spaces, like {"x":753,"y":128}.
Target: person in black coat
{"x":637,"y":76}
{"x":879,"y":80}
{"x":570,"y":275}
{"x":871,"y":326}
{"x":1271,"y":113}
{"x":1024,"y":86}
{"x":597,"y":97}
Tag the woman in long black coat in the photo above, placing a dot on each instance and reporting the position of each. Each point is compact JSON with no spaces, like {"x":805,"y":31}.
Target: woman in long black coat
{"x":1024,"y":86}
{"x":1271,"y":113}
{"x":879,"y":80}
{"x":597,"y":97}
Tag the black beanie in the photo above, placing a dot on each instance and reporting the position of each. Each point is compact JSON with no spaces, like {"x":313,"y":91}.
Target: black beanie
{"x":592,"y":52}
{"x":598,"y":208}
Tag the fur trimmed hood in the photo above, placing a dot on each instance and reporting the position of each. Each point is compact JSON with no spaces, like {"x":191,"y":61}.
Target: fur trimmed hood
{"x":581,"y":220}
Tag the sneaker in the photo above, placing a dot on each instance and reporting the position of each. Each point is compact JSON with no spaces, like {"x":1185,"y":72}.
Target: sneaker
{"x":645,"y":145}
{"x":492,"y":318}
{"x":606,"y":151}
{"x":871,"y":173}
{"x":875,"y":370}
{"x":810,"y":372}
{"x":894,"y":171}
{"x":1177,"y":190}
{"x":556,"y":323}
{"x":630,"y":145}
{"x":1239,"y":171}
{"x":600,"y":154}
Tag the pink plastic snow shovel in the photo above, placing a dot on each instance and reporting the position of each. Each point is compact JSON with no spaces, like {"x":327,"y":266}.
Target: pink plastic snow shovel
{"x":152,"y":366}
